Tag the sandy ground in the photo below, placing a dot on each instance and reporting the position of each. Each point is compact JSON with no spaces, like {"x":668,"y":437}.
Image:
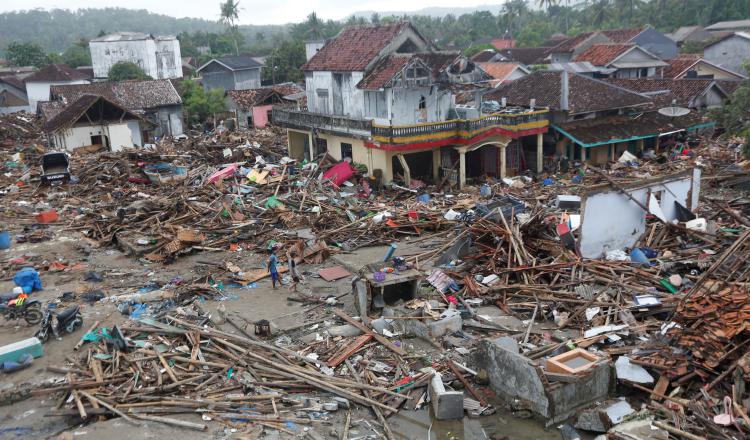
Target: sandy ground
{"x":124,"y":274}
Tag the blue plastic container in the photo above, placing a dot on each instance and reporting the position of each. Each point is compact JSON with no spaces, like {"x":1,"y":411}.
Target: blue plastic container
{"x":4,"y":240}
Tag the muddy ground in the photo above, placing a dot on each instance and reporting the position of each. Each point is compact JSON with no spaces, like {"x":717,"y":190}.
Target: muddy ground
{"x":124,"y":274}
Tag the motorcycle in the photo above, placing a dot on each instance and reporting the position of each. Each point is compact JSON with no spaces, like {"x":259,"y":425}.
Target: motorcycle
{"x":65,"y":322}
{"x":15,"y":307}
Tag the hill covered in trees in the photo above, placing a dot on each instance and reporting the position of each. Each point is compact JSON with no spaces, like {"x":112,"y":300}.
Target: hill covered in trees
{"x":57,"y":29}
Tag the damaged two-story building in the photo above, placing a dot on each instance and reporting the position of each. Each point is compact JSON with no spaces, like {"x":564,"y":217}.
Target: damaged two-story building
{"x":385,"y":97}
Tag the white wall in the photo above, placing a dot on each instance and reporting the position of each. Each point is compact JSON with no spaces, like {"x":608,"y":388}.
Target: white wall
{"x":168,"y":59}
{"x":39,"y":91}
{"x":120,"y":136}
{"x":610,"y":220}
{"x":404,"y":105}
{"x":160,"y":59}
{"x":313,"y":82}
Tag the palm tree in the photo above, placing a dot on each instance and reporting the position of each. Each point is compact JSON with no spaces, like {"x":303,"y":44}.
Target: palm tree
{"x":315,"y":28}
{"x":513,"y":13}
{"x":546,"y":4}
{"x":230,"y":13}
{"x":599,"y":12}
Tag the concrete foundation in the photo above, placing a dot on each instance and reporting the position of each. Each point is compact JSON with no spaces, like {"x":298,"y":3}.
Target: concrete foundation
{"x":445,"y":404}
{"x":514,"y":376}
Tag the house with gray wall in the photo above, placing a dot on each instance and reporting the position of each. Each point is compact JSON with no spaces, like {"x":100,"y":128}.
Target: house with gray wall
{"x":648,"y":38}
{"x":158,"y":56}
{"x":730,"y":52}
{"x":12,"y":95}
{"x":231,"y":73}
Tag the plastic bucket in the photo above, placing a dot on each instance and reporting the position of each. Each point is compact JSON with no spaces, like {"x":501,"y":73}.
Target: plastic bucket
{"x":4,"y":240}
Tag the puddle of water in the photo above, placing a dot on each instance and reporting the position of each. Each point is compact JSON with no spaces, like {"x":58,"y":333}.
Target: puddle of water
{"x":414,"y":425}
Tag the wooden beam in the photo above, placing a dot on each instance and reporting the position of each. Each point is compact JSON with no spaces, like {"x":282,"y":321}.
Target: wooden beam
{"x":388,"y":344}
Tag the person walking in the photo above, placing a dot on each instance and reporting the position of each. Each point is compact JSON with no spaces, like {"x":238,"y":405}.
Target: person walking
{"x":272,"y":261}
{"x":293,"y":270}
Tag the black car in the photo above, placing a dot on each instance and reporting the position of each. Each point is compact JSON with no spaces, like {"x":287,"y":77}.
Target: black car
{"x":55,"y":168}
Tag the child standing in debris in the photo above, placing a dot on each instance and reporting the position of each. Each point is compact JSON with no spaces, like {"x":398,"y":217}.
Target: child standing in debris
{"x":272,"y":261}
{"x":293,"y":270}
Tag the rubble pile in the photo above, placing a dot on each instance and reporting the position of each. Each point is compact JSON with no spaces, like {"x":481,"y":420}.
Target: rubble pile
{"x":530,"y":295}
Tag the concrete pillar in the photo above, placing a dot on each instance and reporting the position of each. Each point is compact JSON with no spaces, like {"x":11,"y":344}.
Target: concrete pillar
{"x":503,"y":162}
{"x":583,"y":153}
{"x":612,"y":151}
{"x":435,"y":165}
{"x":539,"y":153}
{"x":658,"y":143}
{"x":407,"y":171}
{"x":310,"y":145}
{"x":639,"y":143}
{"x":461,"y":168}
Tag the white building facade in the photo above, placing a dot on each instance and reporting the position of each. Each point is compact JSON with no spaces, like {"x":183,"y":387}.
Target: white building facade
{"x":158,"y":56}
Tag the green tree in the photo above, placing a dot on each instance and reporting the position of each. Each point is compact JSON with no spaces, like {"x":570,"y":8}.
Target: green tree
{"x":199,"y":104}
{"x":125,"y":70}
{"x":734,"y":115}
{"x":26,"y":54}
{"x":230,"y":13}
{"x":692,"y":47}
{"x":284,"y":63}
{"x":76,"y":56}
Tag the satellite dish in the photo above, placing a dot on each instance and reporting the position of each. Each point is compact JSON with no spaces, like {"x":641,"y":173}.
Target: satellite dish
{"x":674,"y":111}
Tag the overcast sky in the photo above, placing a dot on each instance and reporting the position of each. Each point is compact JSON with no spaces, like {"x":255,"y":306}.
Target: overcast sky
{"x":253,"y":11}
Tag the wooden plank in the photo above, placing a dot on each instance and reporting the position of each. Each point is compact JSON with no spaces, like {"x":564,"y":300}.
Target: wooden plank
{"x":349,"y":350}
{"x":660,"y":389}
{"x":388,"y":344}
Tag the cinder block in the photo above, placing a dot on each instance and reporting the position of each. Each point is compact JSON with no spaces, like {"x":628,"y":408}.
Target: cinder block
{"x":445,"y":404}
{"x":445,"y":326}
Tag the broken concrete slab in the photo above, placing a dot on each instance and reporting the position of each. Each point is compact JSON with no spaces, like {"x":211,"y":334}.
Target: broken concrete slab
{"x":632,"y":372}
{"x":514,"y":376}
{"x":602,"y":417}
{"x":637,"y":430}
{"x":446,"y":405}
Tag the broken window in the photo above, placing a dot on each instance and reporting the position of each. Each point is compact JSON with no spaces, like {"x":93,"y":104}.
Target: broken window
{"x":321,"y":146}
{"x":322,"y":95}
{"x":346,"y":150}
{"x":422,"y":103}
{"x":408,"y":46}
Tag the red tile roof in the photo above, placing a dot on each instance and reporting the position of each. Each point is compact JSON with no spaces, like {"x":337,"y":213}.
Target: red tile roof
{"x":132,"y":94}
{"x":526,"y":55}
{"x":603,"y":54}
{"x":14,"y":81}
{"x":354,"y":48}
{"x":383,"y":71}
{"x":614,"y":128}
{"x":569,"y":44}
{"x":663,"y":91}
{"x":680,"y":64}
{"x":585,"y":94}
{"x":621,"y":35}
{"x":56,"y":72}
{"x":503,"y":43}
{"x":247,"y":99}
{"x":498,"y":71}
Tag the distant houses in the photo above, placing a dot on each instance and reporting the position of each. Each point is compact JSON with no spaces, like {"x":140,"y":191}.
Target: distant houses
{"x":38,"y":84}
{"x":231,"y":73}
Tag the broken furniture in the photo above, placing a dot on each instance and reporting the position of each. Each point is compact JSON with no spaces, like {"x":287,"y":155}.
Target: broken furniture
{"x":379,"y":288}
